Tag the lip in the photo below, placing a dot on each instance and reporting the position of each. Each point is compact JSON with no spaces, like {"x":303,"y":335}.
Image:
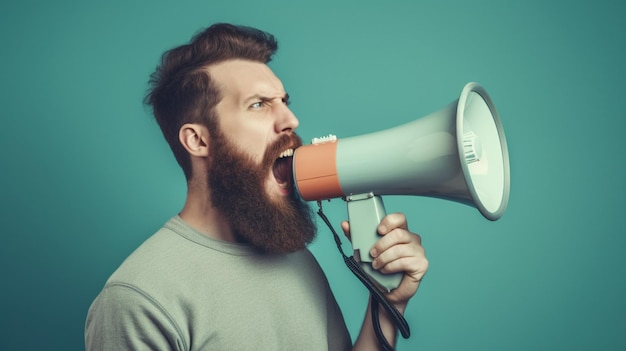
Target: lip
{"x":282,"y":171}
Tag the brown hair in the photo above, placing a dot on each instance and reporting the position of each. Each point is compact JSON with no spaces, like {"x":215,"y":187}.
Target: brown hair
{"x":181,"y":90}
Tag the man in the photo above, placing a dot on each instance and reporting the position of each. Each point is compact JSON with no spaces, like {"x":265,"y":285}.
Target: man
{"x":231,"y":271}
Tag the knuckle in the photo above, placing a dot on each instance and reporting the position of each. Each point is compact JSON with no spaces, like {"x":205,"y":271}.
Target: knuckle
{"x":396,"y":219}
{"x":417,"y":238}
{"x":399,"y":216}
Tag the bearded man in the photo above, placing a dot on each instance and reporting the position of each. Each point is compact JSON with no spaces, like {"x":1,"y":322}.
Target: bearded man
{"x":231,"y":271}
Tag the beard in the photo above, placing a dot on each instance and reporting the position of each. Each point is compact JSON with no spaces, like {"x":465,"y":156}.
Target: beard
{"x":238,"y":191}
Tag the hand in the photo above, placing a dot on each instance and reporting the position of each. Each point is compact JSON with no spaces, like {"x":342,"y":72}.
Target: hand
{"x":398,"y":250}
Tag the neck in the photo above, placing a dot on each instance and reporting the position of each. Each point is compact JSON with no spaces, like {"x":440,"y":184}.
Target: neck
{"x":200,"y":214}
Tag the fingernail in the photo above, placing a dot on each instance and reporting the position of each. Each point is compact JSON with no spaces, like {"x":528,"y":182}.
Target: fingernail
{"x":373,"y":252}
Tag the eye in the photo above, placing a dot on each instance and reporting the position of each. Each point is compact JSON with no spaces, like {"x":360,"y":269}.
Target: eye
{"x":286,"y":100}
{"x":256,"y":105}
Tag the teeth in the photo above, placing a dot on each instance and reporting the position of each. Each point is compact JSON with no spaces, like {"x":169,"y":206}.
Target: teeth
{"x":286,"y":153}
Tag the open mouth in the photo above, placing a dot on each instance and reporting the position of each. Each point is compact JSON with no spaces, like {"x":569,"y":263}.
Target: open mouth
{"x":282,"y":168}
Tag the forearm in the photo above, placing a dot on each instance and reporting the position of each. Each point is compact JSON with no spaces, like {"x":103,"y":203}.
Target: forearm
{"x":367,"y":339}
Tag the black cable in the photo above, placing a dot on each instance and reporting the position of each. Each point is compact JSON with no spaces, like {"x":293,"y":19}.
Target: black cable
{"x":376,"y":321}
{"x":377,"y":296}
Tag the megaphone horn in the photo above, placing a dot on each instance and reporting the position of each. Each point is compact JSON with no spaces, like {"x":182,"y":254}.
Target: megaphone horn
{"x":458,"y":153}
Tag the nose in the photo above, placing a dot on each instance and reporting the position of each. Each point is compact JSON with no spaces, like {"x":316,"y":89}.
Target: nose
{"x":286,"y":122}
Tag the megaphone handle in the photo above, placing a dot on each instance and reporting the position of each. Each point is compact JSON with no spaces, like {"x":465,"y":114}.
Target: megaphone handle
{"x":365,"y":211}
{"x":377,"y":296}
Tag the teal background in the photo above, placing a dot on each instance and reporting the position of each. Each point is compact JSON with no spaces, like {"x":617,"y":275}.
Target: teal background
{"x":86,"y":175}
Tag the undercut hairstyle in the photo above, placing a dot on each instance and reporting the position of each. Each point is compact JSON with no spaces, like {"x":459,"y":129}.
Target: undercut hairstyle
{"x":181,"y":90}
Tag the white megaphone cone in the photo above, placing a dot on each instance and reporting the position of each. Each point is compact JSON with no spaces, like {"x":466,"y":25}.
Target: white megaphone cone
{"x":458,"y":153}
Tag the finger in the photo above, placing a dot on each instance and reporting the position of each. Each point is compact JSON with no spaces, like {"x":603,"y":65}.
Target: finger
{"x":415,"y":265}
{"x":345,"y":226}
{"x":395,"y":237}
{"x":392,"y":221}
{"x":406,"y":258}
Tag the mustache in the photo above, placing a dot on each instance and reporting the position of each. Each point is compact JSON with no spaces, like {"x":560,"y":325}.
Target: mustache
{"x":285,"y":141}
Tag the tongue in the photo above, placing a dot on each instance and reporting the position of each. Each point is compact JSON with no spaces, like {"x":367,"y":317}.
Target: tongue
{"x":282,"y":169}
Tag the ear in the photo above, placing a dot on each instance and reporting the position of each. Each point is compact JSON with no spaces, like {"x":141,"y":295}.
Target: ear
{"x":195,"y":139}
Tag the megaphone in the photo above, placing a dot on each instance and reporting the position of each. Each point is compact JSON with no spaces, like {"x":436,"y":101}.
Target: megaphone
{"x":458,"y":153}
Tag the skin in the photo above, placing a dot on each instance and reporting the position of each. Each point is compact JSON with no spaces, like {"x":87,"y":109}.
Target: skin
{"x":256,"y":105}
{"x":253,"y":114}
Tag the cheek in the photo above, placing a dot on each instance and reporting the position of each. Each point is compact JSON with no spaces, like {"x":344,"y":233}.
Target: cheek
{"x":254,"y":142}
{"x":251,"y":145}
{"x":250,"y":134}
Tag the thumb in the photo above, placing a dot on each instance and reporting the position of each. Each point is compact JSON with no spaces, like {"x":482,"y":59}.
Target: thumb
{"x":345,"y":225}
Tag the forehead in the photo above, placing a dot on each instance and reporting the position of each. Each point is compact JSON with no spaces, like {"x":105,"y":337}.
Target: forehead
{"x":240,"y":79}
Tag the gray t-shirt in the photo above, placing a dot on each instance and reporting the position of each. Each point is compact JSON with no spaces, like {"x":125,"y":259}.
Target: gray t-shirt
{"x":182,"y":290}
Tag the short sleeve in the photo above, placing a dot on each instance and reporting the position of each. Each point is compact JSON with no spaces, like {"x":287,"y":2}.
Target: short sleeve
{"x":123,"y":317}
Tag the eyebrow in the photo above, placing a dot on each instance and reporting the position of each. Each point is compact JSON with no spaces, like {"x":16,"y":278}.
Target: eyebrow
{"x":284,"y":98}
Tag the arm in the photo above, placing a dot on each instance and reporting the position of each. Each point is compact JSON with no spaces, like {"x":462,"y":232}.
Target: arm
{"x":398,"y":250}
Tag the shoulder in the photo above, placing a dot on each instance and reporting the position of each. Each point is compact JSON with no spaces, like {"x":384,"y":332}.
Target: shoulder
{"x":123,"y":317}
{"x":162,"y":256}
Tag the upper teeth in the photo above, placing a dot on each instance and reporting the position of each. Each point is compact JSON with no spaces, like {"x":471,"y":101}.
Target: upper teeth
{"x":286,"y":153}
